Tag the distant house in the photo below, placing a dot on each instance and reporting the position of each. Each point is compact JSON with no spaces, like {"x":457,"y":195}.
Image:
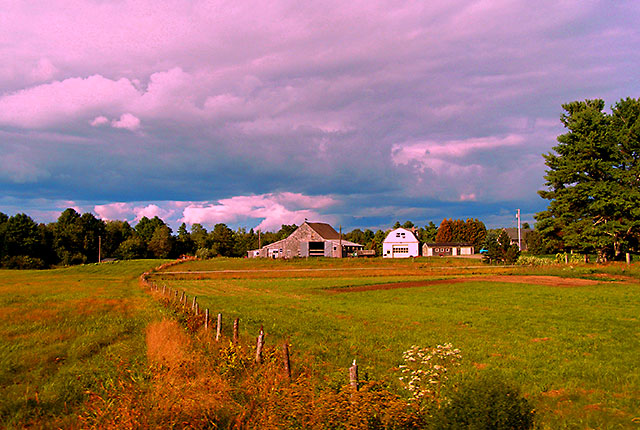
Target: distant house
{"x":513,"y":236}
{"x":447,"y":249}
{"x":311,"y":239}
{"x":400,"y":243}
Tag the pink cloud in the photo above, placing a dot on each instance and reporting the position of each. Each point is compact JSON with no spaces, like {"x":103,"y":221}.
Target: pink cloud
{"x":99,"y":121}
{"x":151,"y":211}
{"x":134,"y":211}
{"x":275,"y":209}
{"x":421,"y":151}
{"x":126,"y":121}
{"x":115,"y":211}
{"x":44,"y":70}
{"x":302,"y":201}
{"x":61,"y":101}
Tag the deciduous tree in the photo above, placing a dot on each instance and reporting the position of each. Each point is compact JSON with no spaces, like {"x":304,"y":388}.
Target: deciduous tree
{"x":445,"y":231}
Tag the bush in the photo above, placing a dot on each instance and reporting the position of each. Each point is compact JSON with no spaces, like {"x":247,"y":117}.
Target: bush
{"x":530,"y":260}
{"x":561,"y":257}
{"x":23,"y":262}
{"x":485,"y":403}
{"x":204,"y":253}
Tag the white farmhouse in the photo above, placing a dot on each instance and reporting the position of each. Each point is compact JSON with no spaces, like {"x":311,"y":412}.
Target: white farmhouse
{"x":400,"y":243}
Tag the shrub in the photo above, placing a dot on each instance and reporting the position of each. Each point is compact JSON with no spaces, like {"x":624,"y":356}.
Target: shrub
{"x":530,"y":260}
{"x":204,"y":253}
{"x":561,"y":257}
{"x":23,"y":262}
{"x":485,"y":403}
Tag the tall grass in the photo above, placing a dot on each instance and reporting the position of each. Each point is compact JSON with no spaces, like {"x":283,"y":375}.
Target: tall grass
{"x":65,"y":332}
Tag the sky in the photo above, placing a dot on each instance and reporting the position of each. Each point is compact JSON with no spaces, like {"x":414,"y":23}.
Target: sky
{"x":257,"y":114}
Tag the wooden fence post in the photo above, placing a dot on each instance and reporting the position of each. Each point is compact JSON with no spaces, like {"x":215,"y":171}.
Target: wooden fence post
{"x":353,"y":376}
{"x":285,"y":359}
{"x":236,"y":328}
{"x":182,"y":297}
{"x":197,"y":309}
{"x":259,"y":346}
{"x":206,"y":319}
{"x":164,"y":289}
{"x":628,"y":256}
{"x":219,"y":327}
{"x":193,"y":305}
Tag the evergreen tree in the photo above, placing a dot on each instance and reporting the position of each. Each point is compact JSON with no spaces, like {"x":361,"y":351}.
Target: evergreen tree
{"x":593,"y":180}
{"x":429,"y":233}
{"x":500,"y":249}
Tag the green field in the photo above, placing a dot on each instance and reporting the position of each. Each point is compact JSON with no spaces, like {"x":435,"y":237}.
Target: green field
{"x":570,"y":345}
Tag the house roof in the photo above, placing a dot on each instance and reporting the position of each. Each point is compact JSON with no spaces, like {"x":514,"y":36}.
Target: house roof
{"x":432,"y":244}
{"x":400,"y":235}
{"x":324,"y":230}
{"x":513,"y":232}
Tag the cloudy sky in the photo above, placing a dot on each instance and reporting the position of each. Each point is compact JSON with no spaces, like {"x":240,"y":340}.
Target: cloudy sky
{"x":262,"y":113}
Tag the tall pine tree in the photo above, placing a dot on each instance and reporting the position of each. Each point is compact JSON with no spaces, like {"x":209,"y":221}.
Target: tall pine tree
{"x":593,"y":180}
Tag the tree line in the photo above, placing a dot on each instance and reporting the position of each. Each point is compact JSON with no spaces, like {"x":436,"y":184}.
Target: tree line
{"x":82,"y":238}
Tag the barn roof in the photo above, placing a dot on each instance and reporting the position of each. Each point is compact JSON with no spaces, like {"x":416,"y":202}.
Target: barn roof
{"x":324,"y":230}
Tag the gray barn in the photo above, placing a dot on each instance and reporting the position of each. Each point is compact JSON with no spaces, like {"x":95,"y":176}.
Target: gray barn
{"x":311,"y":239}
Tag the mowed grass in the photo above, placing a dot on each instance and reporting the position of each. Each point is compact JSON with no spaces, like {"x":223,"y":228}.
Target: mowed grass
{"x":574,"y":351}
{"x":64,"y":333}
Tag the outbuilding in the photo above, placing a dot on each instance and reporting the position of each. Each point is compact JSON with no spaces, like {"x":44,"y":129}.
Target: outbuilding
{"x":447,"y":249}
{"x":400,"y":243}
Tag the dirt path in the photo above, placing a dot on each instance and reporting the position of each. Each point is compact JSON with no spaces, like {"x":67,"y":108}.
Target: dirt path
{"x":552,"y":281}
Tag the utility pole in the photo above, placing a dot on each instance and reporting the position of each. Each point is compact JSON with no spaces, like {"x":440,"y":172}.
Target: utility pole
{"x":341,"y":253}
{"x":99,"y":249}
{"x":519,"y":236}
{"x":259,"y":240}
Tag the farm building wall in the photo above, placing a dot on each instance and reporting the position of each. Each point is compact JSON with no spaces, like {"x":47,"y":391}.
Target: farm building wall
{"x":400,"y":243}
{"x":447,"y":249}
